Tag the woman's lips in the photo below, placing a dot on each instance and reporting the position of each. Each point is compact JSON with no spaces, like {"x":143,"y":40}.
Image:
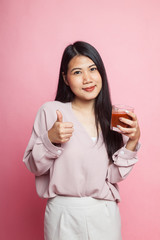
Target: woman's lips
{"x":89,"y":89}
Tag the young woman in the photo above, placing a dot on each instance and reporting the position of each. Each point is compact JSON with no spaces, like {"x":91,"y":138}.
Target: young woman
{"x":77,"y":160}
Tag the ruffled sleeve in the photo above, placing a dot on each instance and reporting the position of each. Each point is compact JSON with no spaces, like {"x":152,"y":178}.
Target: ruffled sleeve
{"x":40,"y":152}
{"x":123,"y":162}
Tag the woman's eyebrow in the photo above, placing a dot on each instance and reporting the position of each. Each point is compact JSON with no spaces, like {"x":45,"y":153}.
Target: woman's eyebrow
{"x":78,"y":68}
{"x":92,"y":65}
{"x":75,"y":69}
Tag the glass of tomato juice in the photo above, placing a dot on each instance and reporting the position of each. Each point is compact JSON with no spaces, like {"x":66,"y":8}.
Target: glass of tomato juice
{"x":118,"y":111}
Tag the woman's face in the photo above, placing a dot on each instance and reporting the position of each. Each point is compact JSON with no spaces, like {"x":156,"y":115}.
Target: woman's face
{"x":83,"y":78}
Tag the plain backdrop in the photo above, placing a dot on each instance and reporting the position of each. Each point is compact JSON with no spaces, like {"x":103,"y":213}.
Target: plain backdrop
{"x":33,"y":35}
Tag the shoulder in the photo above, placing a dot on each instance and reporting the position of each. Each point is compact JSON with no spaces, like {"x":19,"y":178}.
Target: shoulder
{"x":47,"y":112}
{"x":52,"y":106}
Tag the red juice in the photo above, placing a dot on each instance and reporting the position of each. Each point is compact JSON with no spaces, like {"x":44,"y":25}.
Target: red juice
{"x":115,"y":119}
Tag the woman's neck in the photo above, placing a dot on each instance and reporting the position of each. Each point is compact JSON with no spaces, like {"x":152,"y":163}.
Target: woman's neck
{"x":83,"y":106}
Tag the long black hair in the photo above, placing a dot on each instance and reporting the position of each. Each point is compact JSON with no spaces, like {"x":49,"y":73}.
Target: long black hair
{"x":103,"y":105}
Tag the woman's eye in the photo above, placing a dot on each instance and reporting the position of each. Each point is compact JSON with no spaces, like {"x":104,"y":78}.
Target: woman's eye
{"x":77,"y":72}
{"x":93,"y":69}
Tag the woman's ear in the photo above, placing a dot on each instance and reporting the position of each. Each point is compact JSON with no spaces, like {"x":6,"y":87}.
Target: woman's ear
{"x":65,"y":79}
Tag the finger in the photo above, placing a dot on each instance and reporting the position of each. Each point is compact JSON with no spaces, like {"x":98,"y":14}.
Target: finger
{"x":68,"y":130}
{"x":128,"y":122}
{"x":65,"y":131}
{"x":59,"y":116}
{"x":67,"y":135}
{"x":68,"y":125}
{"x":66,"y":138}
{"x":132,"y":115}
{"x":126,"y":130}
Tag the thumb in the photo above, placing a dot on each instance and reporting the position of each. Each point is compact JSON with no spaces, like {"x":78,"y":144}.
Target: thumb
{"x":59,"y":116}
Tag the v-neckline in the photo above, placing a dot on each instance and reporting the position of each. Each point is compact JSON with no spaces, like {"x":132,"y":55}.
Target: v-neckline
{"x":81,"y":126}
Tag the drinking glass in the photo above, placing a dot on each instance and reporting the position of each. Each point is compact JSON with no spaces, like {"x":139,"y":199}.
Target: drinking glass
{"x":118,"y":111}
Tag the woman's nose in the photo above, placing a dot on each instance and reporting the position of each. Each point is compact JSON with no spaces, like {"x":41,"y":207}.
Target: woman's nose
{"x":86,"y":78}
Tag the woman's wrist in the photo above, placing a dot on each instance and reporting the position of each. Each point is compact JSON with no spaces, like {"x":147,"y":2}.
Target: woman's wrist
{"x":131,"y":145}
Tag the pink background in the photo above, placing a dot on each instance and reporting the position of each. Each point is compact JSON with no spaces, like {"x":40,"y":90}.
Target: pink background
{"x":33,"y":34}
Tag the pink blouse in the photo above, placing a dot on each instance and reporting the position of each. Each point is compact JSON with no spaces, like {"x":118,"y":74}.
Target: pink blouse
{"x":79,"y":167}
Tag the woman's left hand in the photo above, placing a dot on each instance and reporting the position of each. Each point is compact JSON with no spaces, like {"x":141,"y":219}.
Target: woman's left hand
{"x":133,"y":132}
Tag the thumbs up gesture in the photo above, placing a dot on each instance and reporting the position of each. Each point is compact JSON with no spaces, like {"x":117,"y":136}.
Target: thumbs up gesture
{"x":60,"y":132}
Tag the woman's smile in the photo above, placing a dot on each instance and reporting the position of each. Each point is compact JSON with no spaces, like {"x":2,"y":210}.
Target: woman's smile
{"x":89,"y":89}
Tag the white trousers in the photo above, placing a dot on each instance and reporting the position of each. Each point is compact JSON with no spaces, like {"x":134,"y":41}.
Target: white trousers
{"x":86,"y":218}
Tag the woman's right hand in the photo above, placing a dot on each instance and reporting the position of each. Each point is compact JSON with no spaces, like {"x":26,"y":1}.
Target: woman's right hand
{"x":60,"y":132}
